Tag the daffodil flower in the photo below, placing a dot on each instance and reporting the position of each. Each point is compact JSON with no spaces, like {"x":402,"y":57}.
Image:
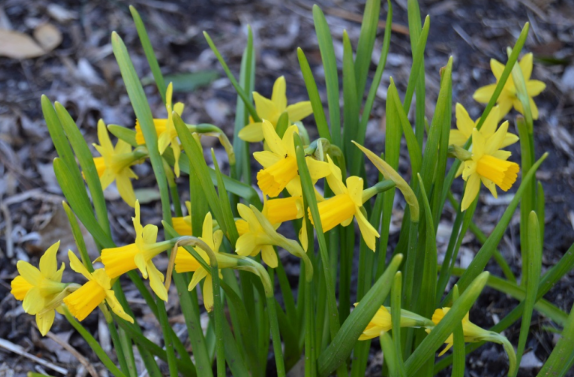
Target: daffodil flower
{"x":346,"y":204}
{"x":382,"y":322}
{"x":98,"y":288}
{"x":119,"y":260}
{"x":284,"y":209}
{"x":39,"y":287}
{"x":280,"y":164}
{"x":271,"y":110}
{"x":182,"y":225}
{"x":252,"y":237}
{"x":465,"y":125}
{"x":165,"y":129}
{"x":488,"y":164}
{"x":185,"y":262}
{"x":115,"y":163}
{"x":508,"y":98}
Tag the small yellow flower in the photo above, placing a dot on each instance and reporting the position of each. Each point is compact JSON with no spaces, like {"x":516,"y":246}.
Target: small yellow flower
{"x":115,"y":163}
{"x":165,"y":129}
{"x":185,"y":262}
{"x":508,"y":98}
{"x":119,"y":260}
{"x":252,"y":237}
{"x":182,"y":225}
{"x":38,"y":287}
{"x":280,"y":164}
{"x":98,"y":288}
{"x":271,"y":110}
{"x":284,"y":209}
{"x":382,"y":322}
{"x":488,"y":164}
{"x":472,"y":333}
{"x":346,"y":204}
{"x":465,"y":125}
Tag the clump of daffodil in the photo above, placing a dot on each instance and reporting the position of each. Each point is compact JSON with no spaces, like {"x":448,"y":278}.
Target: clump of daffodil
{"x":182,"y":225}
{"x":465,"y":125}
{"x":84,"y":300}
{"x":280,"y":163}
{"x":508,"y":97}
{"x":253,"y":239}
{"x":40,"y":288}
{"x":185,"y":262}
{"x":382,"y":322}
{"x":472,"y":334}
{"x":271,"y":110}
{"x":488,"y":164}
{"x":119,"y":260}
{"x":165,"y":129}
{"x":346,"y":204}
{"x":115,"y":164}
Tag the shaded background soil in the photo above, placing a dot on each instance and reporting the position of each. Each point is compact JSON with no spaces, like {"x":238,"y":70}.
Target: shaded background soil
{"x":82,"y":74}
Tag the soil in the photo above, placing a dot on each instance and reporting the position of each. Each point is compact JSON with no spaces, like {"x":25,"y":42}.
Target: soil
{"x":82,"y":74}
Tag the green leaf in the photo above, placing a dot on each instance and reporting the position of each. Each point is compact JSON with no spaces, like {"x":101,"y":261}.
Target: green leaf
{"x":459,"y":356}
{"x":418,"y":61}
{"x":123,"y":133}
{"x":149,"y":54}
{"x":313,"y":92}
{"x":78,"y":237}
{"x":244,"y":96}
{"x":531,"y":273}
{"x":560,"y":360}
{"x":446,"y":326}
{"x":224,"y":200}
{"x":396,"y":319}
{"x":344,"y":341}
{"x":327,"y":50}
{"x":351,"y":108}
{"x":366,"y":43}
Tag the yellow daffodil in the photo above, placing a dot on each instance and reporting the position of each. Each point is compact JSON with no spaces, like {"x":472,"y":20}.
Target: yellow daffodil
{"x":271,"y":110}
{"x":98,"y":288}
{"x":185,"y":262}
{"x":382,"y":322}
{"x":119,"y":260}
{"x":165,"y":129}
{"x":284,"y":209}
{"x":346,"y":204}
{"x":37,"y":288}
{"x":472,"y":333}
{"x":182,"y":225}
{"x":252,"y":237}
{"x":280,"y":163}
{"x":115,"y":163}
{"x":488,"y":164}
{"x":465,"y":125}
{"x":508,"y":98}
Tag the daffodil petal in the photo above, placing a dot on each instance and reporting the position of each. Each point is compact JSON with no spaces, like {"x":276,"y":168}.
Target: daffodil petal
{"x":116,"y":307}
{"x":49,"y":262}
{"x":489,"y":126}
{"x":45,"y":320}
{"x":463,"y":121}
{"x":471,"y":191}
{"x":251,"y":133}
{"x":265,"y":107}
{"x":317,"y":169}
{"x":526,"y":66}
{"x":196,"y":278}
{"x":368,"y":232}
{"x":484,"y":94}
{"x":497,"y":68}
{"x":355,"y":189}
{"x":156,"y":279}
{"x":77,"y":265}
{"x":272,"y":139}
{"x":299,"y":111}
{"x":279,"y":97}
{"x":33,"y":302}
{"x":287,"y":140}
{"x":245,"y":244}
{"x":266,"y":158}
{"x":207,"y":231}
{"x":456,"y":137}
{"x":534,"y":87}
{"x":269,"y":256}
{"x":140,"y":261}
{"x":150,"y":233}
{"x":489,"y":185}
{"x":208,"y":293}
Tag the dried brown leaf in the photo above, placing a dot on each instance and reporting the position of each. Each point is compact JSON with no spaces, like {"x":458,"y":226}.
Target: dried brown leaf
{"x":17,"y":45}
{"x":48,"y":36}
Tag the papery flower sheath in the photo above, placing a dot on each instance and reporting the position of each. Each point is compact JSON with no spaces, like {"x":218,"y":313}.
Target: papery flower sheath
{"x":115,"y":164}
{"x":119,"y":260}
{"x":280,"y":164}
{"x":508,"y":98}
{"x":465,"y":125}
{"x":271,"y":110}
{"x":346,"y":204}
{"x":488,"y":164}
{"x":165,"y":129}
{"x":185,"y":262}
{"x":38,"y":288}
{"x":98,"y":288}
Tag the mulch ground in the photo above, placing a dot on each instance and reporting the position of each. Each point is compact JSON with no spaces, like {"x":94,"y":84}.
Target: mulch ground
{"x":81,"y":73}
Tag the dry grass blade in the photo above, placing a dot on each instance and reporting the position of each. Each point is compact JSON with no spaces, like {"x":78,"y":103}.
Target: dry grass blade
{"x":20,"y":351}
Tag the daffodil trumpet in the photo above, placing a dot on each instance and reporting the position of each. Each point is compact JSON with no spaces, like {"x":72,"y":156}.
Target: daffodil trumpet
{"x":382,"y":322}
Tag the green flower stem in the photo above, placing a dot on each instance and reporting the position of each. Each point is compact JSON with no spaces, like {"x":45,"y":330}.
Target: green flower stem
{"x":119,"y":346}
{"x":382,"y":186}
{"x":93,"y":343}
